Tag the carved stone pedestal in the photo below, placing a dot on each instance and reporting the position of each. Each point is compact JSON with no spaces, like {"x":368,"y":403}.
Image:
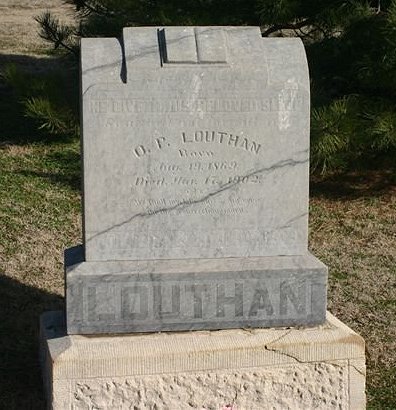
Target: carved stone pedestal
{"x":321,"y":367}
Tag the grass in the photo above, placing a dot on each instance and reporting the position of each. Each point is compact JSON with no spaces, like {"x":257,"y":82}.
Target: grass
{"x":352,"y":230}
{"x":39,"y":211}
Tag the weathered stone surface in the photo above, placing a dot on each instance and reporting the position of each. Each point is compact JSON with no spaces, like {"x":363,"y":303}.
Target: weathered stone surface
{"x":95,"y":68}
{"x":321,"y":368}
{"x":195,"y":153}
{"x":142,"y":296}
{"x":198,"y":149}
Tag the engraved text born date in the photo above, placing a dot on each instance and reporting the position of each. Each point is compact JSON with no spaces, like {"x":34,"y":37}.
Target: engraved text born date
{"x":212,"y":166}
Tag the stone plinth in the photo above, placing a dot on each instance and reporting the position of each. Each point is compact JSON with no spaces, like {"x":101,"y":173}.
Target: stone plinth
{"x":168,"y":295}
{"x":321,"y":367}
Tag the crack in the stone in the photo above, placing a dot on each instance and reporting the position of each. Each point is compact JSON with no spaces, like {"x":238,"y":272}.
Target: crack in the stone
{"x":287,"y":332}
{"x":184,"y":204}
{"x":117,"y":64}
{"x":283,"y":354}
{"x":290,"y":221}
{"x":267,"y":346}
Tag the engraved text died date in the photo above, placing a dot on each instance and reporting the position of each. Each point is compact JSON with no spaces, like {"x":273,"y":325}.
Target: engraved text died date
{"x":235,"y":179}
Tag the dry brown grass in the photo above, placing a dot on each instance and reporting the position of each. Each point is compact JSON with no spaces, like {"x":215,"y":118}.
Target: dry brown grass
{"x":353,"y":230}
{"x":14,"y":150}
{"x":18,"y":30}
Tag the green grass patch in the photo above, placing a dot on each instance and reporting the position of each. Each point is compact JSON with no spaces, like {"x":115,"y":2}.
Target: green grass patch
{"x":39,"y":211}
{"x":382,"y":389}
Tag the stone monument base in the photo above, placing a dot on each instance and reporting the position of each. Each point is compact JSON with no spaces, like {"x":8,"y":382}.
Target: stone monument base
{"x":321,"y":367}
{"x":182,"y":295}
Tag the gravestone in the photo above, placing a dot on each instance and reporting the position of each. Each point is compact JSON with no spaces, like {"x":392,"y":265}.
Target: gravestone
{"x":195,"y":167}
{"x":196,"y":157}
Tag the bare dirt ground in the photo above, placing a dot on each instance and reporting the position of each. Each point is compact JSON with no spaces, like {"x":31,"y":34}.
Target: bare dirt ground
{"x":19,"y":30}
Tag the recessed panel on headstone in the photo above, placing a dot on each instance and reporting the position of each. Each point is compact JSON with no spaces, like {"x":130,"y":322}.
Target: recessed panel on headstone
{"x":202,"y":152}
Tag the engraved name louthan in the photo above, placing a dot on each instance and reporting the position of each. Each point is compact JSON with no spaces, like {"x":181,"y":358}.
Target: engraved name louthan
{"x":221,"y":137}
{"x":189,"y":141}
{"x":193,"y":300}
{"x":288,"y":100}
{"x":229,"y":139}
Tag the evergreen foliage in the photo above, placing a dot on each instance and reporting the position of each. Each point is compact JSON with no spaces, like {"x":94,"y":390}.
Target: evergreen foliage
{"x":48,"y":99}
{"x":351,"y":48}
{"x":58,"y":34}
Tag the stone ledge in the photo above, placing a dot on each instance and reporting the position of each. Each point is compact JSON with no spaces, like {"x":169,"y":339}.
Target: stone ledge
{"x":183,"y":295}
{"x":321,"y":367}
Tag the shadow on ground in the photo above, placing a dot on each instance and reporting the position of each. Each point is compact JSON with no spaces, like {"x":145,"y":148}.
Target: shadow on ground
{"x":20,"y":373}
{"x":354,"y":185}
{"x":67,"y":172}
{"x":16,"y":127}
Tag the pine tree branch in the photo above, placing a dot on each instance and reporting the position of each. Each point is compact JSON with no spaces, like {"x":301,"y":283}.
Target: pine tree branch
{"x":55,"y":33}
{"x":286,"y":26}
{"x":88,"y":7}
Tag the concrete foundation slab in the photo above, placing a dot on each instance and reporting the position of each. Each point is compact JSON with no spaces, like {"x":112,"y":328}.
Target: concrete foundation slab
{"x":321,"y":367}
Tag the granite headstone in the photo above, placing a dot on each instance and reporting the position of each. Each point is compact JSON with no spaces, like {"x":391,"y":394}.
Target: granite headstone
{"x":195,"y":167}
